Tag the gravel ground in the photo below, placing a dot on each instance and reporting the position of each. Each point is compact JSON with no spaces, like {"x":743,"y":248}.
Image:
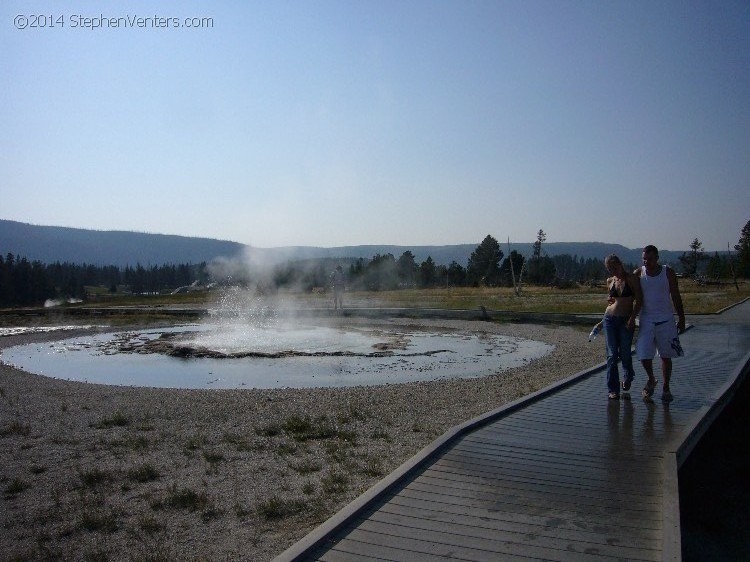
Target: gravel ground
{"x":93,"y":472}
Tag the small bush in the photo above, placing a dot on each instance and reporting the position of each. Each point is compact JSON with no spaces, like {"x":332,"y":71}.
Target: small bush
{"x":335,"y":482}
{"x":143,"y":473}
{"x":118,"y":419}
{"x":16,"y":486}
{"x":306,"y":466}
{"x":149,"y":525}
{"x":213,"y":457}
{"x":139,"y":443}
{"x":238,"y":441}
{"x":99,"y":522}
{"x":304,"y":429}
{"x":240,"y":510}
{"x":94,"y":477}
{"x":271,"y":430}
{"x":185,"y":499}
{"x":16,"y":428}
{"x":277,"y":508}
{"x":373,"y":467}
{"x":194,"y":443}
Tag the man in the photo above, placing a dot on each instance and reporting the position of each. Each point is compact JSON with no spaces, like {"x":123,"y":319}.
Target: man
{"x":657,"y":329}
{"x":337,"y":280}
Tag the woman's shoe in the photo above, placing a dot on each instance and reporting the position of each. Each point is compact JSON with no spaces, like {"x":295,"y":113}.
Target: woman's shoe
{"x":666,"y":397}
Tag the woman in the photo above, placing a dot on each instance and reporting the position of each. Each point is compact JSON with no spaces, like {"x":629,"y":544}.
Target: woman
{"x":624,"y":303}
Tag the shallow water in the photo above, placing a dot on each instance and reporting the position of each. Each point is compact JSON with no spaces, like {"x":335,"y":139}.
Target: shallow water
{"x":343,"y":357}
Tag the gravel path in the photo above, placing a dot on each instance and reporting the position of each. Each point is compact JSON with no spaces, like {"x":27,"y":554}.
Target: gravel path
{"x":92,"y":472}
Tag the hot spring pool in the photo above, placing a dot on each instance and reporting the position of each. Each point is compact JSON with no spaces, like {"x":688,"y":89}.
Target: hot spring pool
{"x":244,"y":355}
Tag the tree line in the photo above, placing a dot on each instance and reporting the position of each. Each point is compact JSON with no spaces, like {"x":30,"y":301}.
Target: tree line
{"x":698,"y":263}
{"x":25,"y":283}
{"x":487,"y":266}
{"x":30,"y":283}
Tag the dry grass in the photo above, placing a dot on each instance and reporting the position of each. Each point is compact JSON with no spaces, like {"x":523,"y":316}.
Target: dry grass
{"x":698,"y":299}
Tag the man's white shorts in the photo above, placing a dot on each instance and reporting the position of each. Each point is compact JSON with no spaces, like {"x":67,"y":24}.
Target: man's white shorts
{"x":657,"y":336}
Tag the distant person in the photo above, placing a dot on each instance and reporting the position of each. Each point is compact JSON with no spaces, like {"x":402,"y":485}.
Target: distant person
{"x":657,"y":330}
{"x":624,"y":302}
{"x":338,"y":281}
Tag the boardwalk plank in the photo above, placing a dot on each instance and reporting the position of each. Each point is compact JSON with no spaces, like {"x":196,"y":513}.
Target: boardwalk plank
{"x":569,"y":527}
{"x":526,"y":531}
{"x":538,"y":500}
{"x":456,"y":546}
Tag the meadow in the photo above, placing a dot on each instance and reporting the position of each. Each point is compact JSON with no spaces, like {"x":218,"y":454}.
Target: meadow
{"x":579,"y":299}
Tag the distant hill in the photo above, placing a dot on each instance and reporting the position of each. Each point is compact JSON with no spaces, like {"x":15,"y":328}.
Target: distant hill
{"x":49,"y":244}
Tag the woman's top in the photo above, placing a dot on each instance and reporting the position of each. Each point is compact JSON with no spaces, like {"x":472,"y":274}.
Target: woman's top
{"x":626,"y":290}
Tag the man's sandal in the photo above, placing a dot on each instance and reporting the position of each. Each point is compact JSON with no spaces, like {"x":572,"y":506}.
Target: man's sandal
{"x":648,"y":390}
{"x":613,"y":396}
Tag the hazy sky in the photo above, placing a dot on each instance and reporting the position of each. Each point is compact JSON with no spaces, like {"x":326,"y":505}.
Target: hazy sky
{"x":380,"y":122}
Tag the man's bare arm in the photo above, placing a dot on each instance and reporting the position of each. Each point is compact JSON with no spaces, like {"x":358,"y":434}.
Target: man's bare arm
{"x":674,"y":292}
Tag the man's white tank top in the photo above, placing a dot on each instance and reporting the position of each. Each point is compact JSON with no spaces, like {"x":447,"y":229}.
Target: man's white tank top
{"x":657,"y":302}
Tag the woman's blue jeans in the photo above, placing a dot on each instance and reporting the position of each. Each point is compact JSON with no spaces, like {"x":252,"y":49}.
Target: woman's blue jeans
{"x":619,"y":340}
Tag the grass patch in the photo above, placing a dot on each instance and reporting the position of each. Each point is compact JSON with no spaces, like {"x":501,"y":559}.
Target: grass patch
{"x":210,"y":514}
{"x":98,"y":522}
{"x":185,"y":498}
{"x":306,"y":467}
{"x":285,"y":449}
{"x":580,"y":299}
{"x":118,"y":419}
{"x":213,"y":457}
{"x":307,"y":429}
{"x":241,"y":511}
{"x":149,"y":525}
{"x":335,"y":483}
{"x":195,"y":443}
{"x":380,"y":433}
{"x":352,"y":414}
{"x":276,"y":508}
{"x":372,"y":467}
{"x":338,"y":451}
{"x":95,"y":555}
{"x":270,"y":430}
{"x":138,"y":443}
{"x":16,"y":486}
{"x":16,"y":428}
{"x":94,"y":478}
{"x":143,"y":473}
{"x":241,"y":442}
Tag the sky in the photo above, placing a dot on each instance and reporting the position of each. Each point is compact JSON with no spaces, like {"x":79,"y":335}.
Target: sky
{"x":407,"y":122}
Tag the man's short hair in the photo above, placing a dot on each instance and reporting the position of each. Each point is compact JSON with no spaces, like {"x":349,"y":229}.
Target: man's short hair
{"x":650,"y":249}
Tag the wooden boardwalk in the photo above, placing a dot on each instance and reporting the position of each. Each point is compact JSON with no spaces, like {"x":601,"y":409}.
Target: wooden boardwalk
{"x":564,"y":474}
